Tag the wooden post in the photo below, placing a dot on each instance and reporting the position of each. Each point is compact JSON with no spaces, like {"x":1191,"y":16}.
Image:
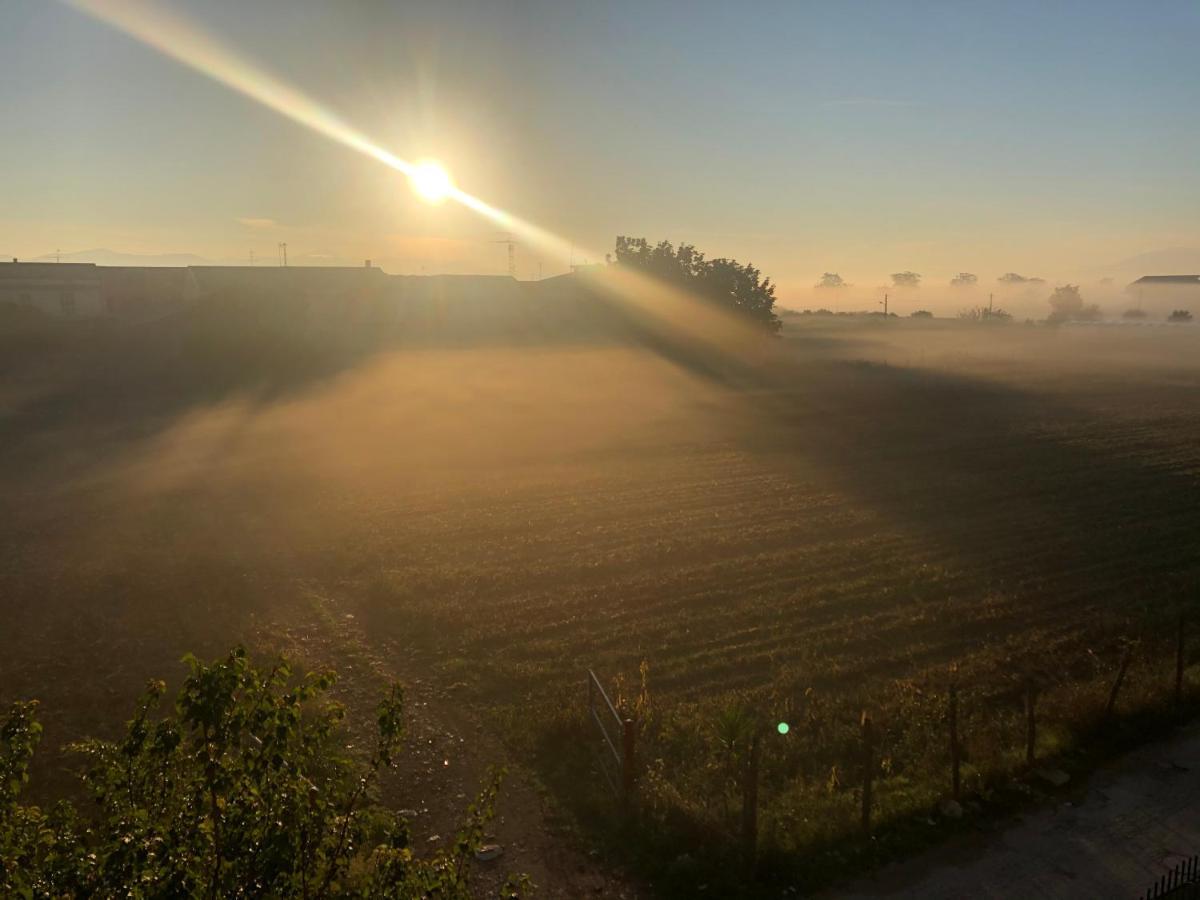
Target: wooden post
{"x":750,"y":806}
{"x":1120,"y":679}
{"x":868,"y":771}
{"x":628,"y":735}
{"x":1179,"y":648}
{"x":954,"y":750}
{"x":1030,"y":721}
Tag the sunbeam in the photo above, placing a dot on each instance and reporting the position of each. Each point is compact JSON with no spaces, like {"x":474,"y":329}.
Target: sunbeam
{"x":188,"y":43}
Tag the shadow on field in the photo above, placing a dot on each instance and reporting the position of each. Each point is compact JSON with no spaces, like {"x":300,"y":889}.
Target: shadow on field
{"x":1042,"y":501}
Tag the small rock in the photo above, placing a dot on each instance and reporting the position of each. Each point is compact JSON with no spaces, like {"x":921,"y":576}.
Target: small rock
{"x":951,"y":809}
{"x":488,"y":851}
{"x":434,"y":838}
{"x":1056,"y":777}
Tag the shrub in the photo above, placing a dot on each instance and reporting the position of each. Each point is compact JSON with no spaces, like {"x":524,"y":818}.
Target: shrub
{"x":1134,"y":314}
{"x":243,"y":790}
{"x":920,"y":314}
{"x":1179,"y":315}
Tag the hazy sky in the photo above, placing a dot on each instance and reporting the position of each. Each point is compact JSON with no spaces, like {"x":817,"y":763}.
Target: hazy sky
{"x":862,"y":138}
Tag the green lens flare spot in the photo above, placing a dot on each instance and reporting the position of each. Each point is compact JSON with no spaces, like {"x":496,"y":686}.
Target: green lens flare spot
{"x":782,"y":728}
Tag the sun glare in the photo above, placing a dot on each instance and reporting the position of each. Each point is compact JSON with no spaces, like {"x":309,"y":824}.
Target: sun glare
{"x":431,"y":182}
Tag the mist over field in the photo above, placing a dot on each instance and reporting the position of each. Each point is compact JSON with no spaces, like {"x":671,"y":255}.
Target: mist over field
{"x":620,"y":450}
{"x":870,"y":502}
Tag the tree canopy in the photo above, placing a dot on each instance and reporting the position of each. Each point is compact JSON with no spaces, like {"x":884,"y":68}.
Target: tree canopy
{"x":739,"y":288}
{"x":832,"y":280}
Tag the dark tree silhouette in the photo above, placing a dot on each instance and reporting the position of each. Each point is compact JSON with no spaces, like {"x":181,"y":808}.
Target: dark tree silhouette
{"x":985,"y":314}
{"x":724,"y":282}
{"x":964,"y":279}
{"x":1011,"y":278}
{"x":832,"y":280}
{"x":906,"y":279}
{"x":1066,"y":305}
{"x":1179,"y":315}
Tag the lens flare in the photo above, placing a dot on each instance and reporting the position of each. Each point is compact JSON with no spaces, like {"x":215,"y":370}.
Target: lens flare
{"x":185,"y":42}
{"x":431,"y":182}
{"x":178,"y":39}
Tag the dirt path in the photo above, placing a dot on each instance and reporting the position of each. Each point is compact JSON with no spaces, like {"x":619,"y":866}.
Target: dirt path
{"x":448,"y":755}
{"x":1129,"y":826}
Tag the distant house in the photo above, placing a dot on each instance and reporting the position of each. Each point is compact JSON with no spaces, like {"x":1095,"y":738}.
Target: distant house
{"x":69,"y":290}
{"x":1167,"y":281}
{"x":1166,"y":292}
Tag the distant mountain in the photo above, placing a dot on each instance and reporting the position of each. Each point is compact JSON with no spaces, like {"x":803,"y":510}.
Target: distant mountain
{"x":102,"y":257}
{"x":1171,"y":261}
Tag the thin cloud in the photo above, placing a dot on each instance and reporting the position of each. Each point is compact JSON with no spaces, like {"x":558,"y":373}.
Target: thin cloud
{"x":869,"y":101}
{"x":251,"y":222}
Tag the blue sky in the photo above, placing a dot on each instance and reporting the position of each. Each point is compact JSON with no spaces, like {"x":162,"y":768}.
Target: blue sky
{"x":864,"y":138}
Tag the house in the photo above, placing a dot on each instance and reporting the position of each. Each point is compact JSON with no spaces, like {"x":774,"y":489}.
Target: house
{"x":1167,"y":291}
{"x":60,"y":289}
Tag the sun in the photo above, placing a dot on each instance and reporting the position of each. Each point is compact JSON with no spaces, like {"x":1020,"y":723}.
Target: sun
{"x":431,"y":182}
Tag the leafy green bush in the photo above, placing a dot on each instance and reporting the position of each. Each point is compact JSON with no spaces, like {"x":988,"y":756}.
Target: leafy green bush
{"x":243,"y":791}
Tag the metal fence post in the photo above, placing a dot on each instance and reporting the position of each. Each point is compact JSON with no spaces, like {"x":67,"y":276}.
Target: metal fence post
{"x":954,"y":751}
{"x":1116,"y":688}
{"x":750,"y":806}
{"x":868,"y":767}
{"x":1179,"y":648}
{"x":628,"y":737}
{"x":1030,"y":721}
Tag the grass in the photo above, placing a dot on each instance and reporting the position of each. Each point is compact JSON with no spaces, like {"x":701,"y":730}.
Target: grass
{"x":899,"y":498}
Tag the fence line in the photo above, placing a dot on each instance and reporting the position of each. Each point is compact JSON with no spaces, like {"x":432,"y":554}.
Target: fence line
{"x":619,"y":736}
{"x":1181,"y":883}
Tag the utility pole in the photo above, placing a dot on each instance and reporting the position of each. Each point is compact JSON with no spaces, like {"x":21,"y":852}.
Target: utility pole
{"x":283,"y":253}
{"x":512,"y":257}
{"x":57,"y":255}
{"x":251,"y":257}
{"x":885,"y":305}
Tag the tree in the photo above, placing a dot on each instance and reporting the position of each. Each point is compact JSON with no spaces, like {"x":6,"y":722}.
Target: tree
{"x":832,"y":280}
{"x":906,"y":279}
{"x":1066,"y":305}
{"x":1012,"y":278}
{"x":738,"y":288}
{"x":244,"y":790}
{"x":964,"y":279}
{"x":1179,"y":315}
{"x":1134,"y":314}
{"x":920,"y":314}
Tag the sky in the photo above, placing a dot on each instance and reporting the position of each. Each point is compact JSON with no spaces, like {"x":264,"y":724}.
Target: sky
{"x":1048,"y":139}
